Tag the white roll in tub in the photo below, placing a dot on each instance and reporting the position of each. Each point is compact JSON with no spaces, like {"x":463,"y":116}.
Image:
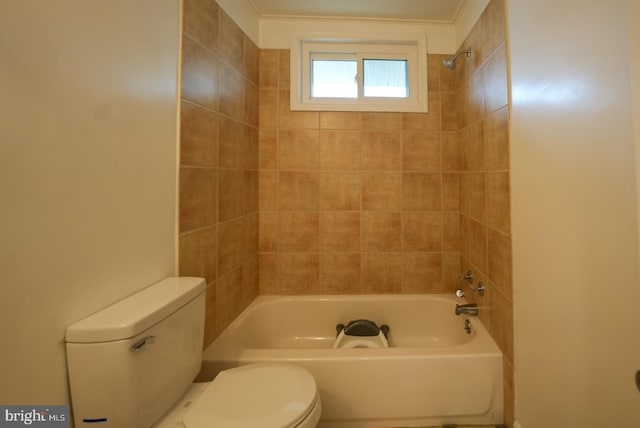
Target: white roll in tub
{"x":434,"y":371}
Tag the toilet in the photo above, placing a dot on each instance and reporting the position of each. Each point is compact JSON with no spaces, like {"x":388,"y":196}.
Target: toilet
{"x":132,"y":365}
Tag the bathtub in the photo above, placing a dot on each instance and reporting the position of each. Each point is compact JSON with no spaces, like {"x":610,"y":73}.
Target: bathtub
{"x":433,"y":373}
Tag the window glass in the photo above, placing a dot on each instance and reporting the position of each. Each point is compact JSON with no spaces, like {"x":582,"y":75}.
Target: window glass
{"x":385,"y":78}
{"x":334,"y":78}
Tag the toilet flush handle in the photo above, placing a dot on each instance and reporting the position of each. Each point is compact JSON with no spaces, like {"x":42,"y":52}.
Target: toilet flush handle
{"x":148,"y":340}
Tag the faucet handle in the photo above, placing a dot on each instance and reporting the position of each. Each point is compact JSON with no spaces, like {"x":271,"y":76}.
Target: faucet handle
{"x":467,"y":277}
{"x":478,"y":289}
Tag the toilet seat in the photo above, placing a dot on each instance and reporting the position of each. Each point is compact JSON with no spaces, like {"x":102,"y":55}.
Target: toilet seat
{"x":256,"y":395}
{"x":345,"y":341}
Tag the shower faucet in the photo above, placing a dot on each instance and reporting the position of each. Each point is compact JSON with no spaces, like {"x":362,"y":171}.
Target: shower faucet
{"x":468,"y":309}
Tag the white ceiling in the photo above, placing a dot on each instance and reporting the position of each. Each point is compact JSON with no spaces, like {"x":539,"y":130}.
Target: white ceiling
{"x":422,"y":10}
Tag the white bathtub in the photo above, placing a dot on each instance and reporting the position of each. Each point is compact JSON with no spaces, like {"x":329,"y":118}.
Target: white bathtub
{"x":433,"y":373}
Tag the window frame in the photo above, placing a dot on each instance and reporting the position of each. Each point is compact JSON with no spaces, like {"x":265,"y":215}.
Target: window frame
{"x":411,"y":48}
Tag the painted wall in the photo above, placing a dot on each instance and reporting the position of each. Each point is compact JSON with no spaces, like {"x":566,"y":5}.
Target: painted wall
{"x":576,"y":293}
{"x":87,"y":172}
{"x":467,"y":18}
{"x":244,"y":15}
{"x":275,"y":32}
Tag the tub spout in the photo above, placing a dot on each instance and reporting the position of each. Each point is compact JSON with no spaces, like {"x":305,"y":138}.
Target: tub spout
{"x":468,"y":309}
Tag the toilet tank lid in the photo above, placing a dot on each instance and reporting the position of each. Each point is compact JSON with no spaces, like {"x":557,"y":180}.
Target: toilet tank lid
{"x":136,"y":313}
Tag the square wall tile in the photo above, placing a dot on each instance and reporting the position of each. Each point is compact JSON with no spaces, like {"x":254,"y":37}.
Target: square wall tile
{"x":422,"y":231}
{"x":251,"y":230}
{"x":340,"y":231}
{"x":231,"y":41}
{"x":501,"y":324}
{"x":298,"y":231}
{"x":210,"y":327}
{"x":284,"y":66}
{"x":298,"y":191}
{"x":268,"y":149}
{"x":421,"y":151}
{"x":269,"y":66}
{"x":230,"y":193}
{"x":340,"y":120}
{"x":382,"y":121}
{"x":198,"y":135}
{"x":499,"y":201}
{"x":230,"y":245}
{"x":199,"y":74}
{"x":381,"y":231}
{"x":382,"y":272}
{"x":251,"y":104}
{"x":299,"y":273}
{"x":381,"y":150}
{"x":422,"y":273}
{"x":268,"y":227}
{"x":298,"y":150}
{"x":251,"y":60}
{"x":340,"y":191}
{"x":497,"y":140}
{"x":382,"y":191}
{"x":268,"y":190}
{"x":198,"y":196}
{"x":340,"y":150}
{"x":268,"y":108}
{"x":500,"y":262}
{"x":268,"y":273}
{"x":228,"y":298}
{"x":200,"y":22}
{"x":250,"y":285}
{"x":231,"y":136}
{"x":231,"y":92}
{"x":251,"y":148}
{"x":198,"y":254}
{"x":450,"y":152}
{"x":339,"y":273}
{"x":421,"y":191}
{"x":451,"y":192}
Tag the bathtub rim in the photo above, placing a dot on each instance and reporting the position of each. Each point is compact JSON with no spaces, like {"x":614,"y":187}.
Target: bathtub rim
{"x":225,"y":347}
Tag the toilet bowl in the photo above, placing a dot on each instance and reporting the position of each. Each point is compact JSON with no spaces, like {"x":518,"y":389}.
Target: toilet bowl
{"x":251,"y":396}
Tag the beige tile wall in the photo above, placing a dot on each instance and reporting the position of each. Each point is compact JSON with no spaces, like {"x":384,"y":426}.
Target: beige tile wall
{"x":218,"y":188}
{"x":483,"y":124}
{"x":356,"y":202}
{"x":348,"y":202}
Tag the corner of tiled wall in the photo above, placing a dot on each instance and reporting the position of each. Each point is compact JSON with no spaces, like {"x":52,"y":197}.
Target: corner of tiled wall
{"x":483,"y":130}
{"x":218,"y":190}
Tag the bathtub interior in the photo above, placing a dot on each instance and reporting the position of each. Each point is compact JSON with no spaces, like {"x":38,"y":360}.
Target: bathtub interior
{"x":433,"y":374}
{"x":310,"y":323}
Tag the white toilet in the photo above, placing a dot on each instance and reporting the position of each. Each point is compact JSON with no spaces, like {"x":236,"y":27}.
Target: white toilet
{"x":132,"y":365}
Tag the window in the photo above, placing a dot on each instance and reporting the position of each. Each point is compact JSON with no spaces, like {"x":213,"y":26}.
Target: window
{"x":370,"y":75}
{"x":334,"y":77}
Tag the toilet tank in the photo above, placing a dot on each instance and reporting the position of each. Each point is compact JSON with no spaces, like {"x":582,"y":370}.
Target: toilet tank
{"x":130,"y":362}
